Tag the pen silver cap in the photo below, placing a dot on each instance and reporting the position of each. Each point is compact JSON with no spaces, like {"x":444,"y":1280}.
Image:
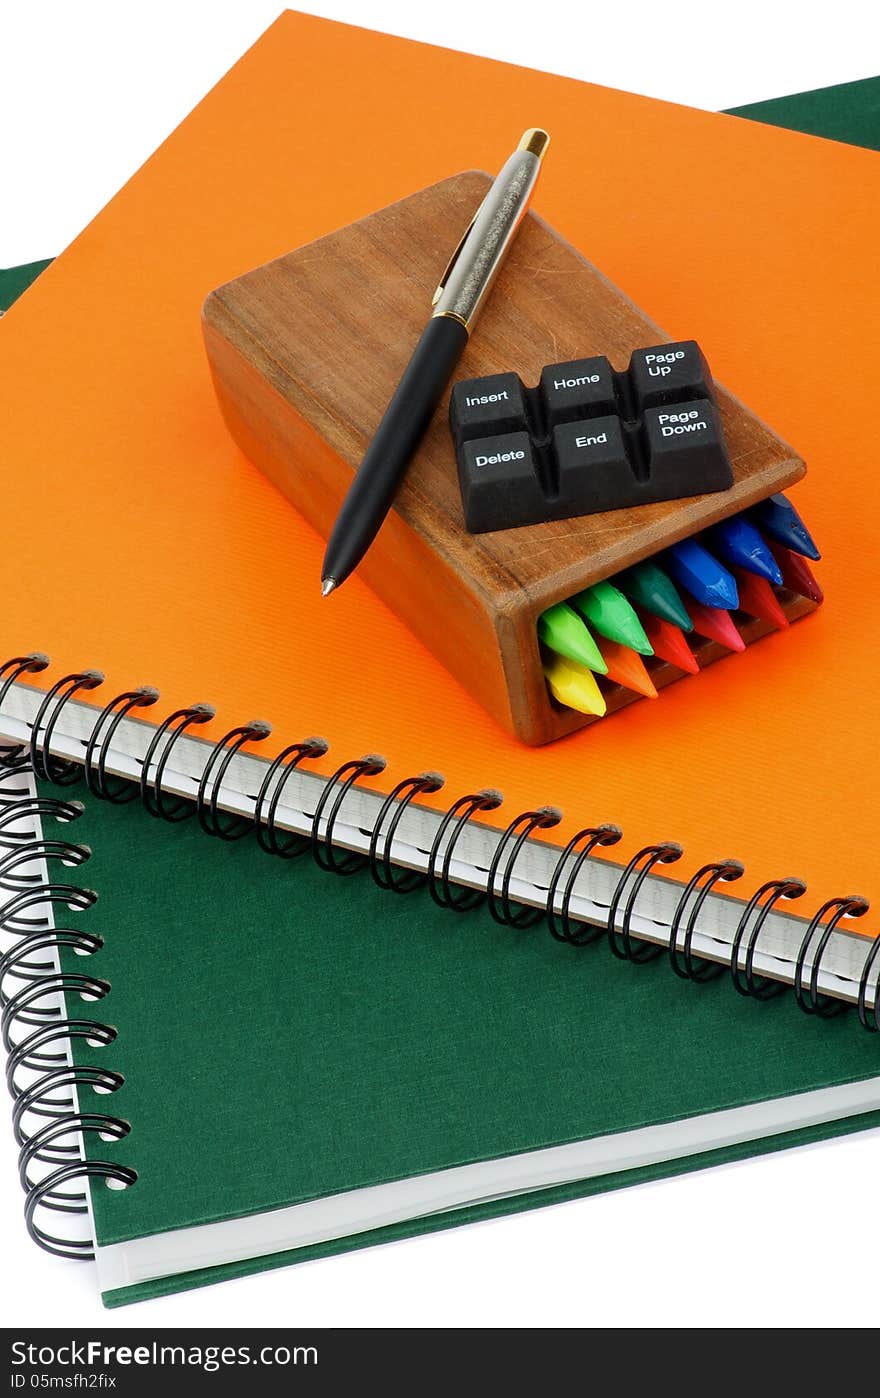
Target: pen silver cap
{"x":477,"y":260}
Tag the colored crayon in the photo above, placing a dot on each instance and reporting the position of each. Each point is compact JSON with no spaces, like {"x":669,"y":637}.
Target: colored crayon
{"x":779,"y":518}
{"x":627,"y":668}
{"x":574,"y":686}
{"x":716,"y":624}
{"x":669,"y":643}
{"x":563,"y":631}
{"x":739,"y":544}
{"x":607,"y":610}
{"x":707,"y":580}
{"x":797,"y":575}
{"x":757,"y":597}
{"x":649,"y":587}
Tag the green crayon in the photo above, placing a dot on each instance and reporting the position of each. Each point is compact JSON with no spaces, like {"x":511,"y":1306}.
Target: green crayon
{"x":609,"y":612}
{"x":648,"y":586}
{"x":563,"y":632}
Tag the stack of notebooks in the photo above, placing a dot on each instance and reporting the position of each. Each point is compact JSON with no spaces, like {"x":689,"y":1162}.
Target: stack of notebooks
{"x":225,"y":1057}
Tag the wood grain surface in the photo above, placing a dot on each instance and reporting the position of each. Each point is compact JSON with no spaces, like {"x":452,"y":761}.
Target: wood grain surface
{"x":305,"y":353}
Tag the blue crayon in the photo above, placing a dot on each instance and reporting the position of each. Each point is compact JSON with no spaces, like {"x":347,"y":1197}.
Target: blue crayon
{"x":694,"y":569}
{"x":741,"y":546}
{"x":779,"y":518}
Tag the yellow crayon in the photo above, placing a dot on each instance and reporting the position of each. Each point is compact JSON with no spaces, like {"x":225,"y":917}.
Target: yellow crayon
{"x":574,"y":686}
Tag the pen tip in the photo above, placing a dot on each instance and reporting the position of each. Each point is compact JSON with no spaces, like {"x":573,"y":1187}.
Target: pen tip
{"x":327,"y":586}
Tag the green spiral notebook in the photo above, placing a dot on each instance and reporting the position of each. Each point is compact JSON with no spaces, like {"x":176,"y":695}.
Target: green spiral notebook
{"x":302,"y":1064}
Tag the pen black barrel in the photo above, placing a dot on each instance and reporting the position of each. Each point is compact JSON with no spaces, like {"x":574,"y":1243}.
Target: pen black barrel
{"x":402,"y":427}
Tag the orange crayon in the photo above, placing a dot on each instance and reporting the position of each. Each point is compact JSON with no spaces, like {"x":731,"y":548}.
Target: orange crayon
{"x":627,"y":668}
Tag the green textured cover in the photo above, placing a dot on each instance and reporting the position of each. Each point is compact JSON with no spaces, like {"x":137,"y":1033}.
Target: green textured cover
{"x":849,"y":112}
{"x":286,"y":1034}
{"x":15,"y":280}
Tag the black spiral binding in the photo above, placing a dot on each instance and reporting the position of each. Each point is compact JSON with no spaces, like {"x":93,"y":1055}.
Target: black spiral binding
{"x":634,"y":875}
{"x":384,"y":872}
{"x":285,"y":845}
{"x":15,"y":965}
{"x":30,"y":982}
{"x":12,"y":670}
{"x":518,"y":831}
{"x":11,"y":916}
{"x":681,"y":958}
{"x":324,"y":851}
{"x":807,"y":996}
{"x":119,"y":792}
{"x":35,"y":1031}
{"x":32,"y":807}
{"x":206,"y":804}
{"x":212,"y":821}
{"x":763,"y":901}
{"x":53,"y":769}
{"x":870,"y":1020}
{"x":444,"y":892}
{"x":153,"y":793}
{"x":578,"y":849}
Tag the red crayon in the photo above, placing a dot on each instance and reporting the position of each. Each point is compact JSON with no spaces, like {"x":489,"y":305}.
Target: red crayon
{"x":669,"y":643}
{"x":797,"y":574}
{"x":757,"y":597}
{"x":715,"y":624}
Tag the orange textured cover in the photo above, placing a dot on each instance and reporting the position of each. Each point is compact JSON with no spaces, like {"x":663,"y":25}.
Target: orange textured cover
{"x":137,"y":538}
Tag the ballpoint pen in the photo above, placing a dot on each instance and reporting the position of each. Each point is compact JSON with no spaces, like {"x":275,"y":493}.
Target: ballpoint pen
{"x":457,"y":302}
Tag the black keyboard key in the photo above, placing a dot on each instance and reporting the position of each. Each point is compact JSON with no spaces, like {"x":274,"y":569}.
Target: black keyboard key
{"x":685,"y":450}
{"x":489,"y":406}
{"x":669,"y":374}
{"x":499,"y":481}
{"x":587,"y":439}
{"x":594,"y":472}
{"x":578,"y":389}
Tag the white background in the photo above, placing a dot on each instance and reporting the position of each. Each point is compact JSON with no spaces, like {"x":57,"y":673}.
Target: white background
{"x":87,"y":92}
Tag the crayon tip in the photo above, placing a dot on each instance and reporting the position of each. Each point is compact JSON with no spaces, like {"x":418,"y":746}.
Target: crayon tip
{"x":606,"y":608}
{"x":797,"y":575}
{"x":757,"y":597}
{"x":627,"y":668}
{"x":649,"y":587}
{"x":574,"y":686}
{"x":716,"y":624}
{"x":778,"y":517}
{"x":564,"y":632}
{"x":739,"y":544}
{"x":328,"y":585}
{"x":669,"y":643}
{"x":695,"y":569}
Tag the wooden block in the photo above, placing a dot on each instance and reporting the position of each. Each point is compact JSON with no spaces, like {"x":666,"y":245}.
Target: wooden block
{"x":305,"y":353}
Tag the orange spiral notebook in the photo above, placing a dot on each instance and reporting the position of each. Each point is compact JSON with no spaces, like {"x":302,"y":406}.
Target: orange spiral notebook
{"x":139,"y":540}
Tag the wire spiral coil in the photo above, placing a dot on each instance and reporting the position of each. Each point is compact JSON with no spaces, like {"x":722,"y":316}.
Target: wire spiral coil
{"x":35,"y":1029}
{"x":516,"y":834}
{"x":681,"y":958}
{"x":447,"y":892}
{"x":579,"y":848}
{"x":37,"y":1033}
{"x":398,"y":799}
